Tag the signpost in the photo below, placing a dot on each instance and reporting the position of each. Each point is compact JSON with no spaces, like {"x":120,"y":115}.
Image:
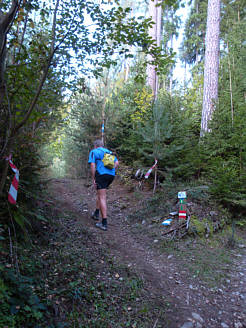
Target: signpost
{"x":182,"y":204}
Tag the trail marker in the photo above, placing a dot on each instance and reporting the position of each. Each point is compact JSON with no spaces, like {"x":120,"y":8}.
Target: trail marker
{"x":12,"y":196}
{"x":150,"y":170}
{"x":182,"y":204}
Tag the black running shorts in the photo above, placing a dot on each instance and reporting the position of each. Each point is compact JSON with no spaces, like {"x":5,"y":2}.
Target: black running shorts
{"x":103,"y":180}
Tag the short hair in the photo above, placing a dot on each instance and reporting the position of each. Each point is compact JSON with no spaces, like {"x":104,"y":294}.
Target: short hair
{"x":98,"y":143}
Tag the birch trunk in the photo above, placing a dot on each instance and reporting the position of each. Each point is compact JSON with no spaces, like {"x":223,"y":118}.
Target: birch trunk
{"x":211,"y":66}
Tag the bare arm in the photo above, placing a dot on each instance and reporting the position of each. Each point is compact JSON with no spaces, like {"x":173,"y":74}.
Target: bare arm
{"x":116,"y":164}
{"x":93,"y":172}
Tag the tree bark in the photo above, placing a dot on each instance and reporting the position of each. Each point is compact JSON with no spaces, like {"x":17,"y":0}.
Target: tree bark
{"x":211,"y":66}
{"x":155,"y":13}
{"x":197,"y":56}
{"x":6,"y":20}
{"x":230,"y":85}
{"x":5,"y":166}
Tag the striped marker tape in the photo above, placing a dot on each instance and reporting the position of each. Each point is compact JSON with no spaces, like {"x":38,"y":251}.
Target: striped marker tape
{"x":150,"y":170}
{"x":182,"y":214}
{"x":12,"y":196}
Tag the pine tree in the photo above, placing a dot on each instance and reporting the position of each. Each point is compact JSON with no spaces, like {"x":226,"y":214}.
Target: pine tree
{"x":211,"y":65}
{"x":193,"y":46}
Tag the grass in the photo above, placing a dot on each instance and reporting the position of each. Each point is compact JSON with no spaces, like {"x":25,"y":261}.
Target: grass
{"x":211,"y":265}
{"x":208,"y":260}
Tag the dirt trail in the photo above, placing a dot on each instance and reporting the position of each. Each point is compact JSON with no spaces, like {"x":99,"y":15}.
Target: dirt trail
{"x":192,"y":304}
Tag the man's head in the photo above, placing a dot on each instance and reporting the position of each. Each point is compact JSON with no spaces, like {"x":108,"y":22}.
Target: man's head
{"x":98,"y":143}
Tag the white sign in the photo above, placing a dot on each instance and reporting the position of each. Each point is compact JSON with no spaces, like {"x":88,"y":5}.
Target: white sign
{"x":182,"y":194}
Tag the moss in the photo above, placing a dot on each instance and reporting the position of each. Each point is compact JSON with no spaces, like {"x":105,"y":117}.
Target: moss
{"x":197,"y":226}
{"x":222,"y":222}
{"x":210,"y":227}
{"x":228,"y":229}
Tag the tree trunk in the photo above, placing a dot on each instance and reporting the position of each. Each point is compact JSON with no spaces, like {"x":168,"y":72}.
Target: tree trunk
{"x":104,"y":99}
{"x":6,"y":20}
{"x":197,"y":33}
{"x":6,"y":166}
{"x":230,"y":85}
{"x":171,"y":70}
{"x":126,"y":70}
{"x":211,"y":66}
{"x":155,"y":13}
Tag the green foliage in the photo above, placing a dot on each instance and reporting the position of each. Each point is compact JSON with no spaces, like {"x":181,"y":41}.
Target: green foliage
{"x":225,"y":145}
{"x":156,"y":132}
{"x":225,"y":181}
{"x":47,"y":51}
{"x":19,"y":304}
{"x":137,"y":131}
{"x":195,"y":27}
{"x":83,"y":126}
{"x":143,"y":101}
{"x":197,"y":226}
{"x":131,"y":106}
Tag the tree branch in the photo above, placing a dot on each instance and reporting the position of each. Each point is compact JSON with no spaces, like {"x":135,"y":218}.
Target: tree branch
{"x":44,"y":76}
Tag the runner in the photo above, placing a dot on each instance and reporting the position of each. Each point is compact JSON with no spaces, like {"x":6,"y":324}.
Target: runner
{"x":102,"y":177}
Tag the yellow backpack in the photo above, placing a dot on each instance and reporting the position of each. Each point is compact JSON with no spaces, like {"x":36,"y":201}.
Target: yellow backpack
{"x":108,"y":160}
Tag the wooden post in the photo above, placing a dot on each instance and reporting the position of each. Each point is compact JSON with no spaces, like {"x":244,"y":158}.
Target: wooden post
{"x":155,"y":181}
{"x":103,"y":109}
{"x":103,"y":123}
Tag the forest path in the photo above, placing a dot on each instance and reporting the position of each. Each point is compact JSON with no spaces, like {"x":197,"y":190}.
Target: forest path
{"x":191,"y":302}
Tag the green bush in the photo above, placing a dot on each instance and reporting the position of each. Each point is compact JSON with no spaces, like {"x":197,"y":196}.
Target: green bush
{"x":19,"y":304}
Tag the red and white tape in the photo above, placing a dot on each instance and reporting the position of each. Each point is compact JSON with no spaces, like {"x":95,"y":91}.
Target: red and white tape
{"x":182,"y":214}
{"x":15,"y":182}
{"x":150,"y":170}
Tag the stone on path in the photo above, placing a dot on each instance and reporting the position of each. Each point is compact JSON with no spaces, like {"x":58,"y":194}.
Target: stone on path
{"x":197,"y":317}
{"x":224,"y":325}
{"x":187,"y":325}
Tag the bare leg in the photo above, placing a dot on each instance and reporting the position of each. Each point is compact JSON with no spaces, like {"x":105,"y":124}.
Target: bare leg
{"x":97,"y":203}
{"x":102,"y":200}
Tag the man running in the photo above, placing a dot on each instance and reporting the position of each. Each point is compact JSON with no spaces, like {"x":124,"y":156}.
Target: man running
{"x":102,"y":177}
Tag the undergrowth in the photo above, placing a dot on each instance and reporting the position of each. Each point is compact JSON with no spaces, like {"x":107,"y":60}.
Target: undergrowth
{"x":62,"y":278}
{"x":204,"y":256}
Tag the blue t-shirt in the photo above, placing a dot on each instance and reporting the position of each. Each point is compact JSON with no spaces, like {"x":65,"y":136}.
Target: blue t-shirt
{"x":96,"y":156}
